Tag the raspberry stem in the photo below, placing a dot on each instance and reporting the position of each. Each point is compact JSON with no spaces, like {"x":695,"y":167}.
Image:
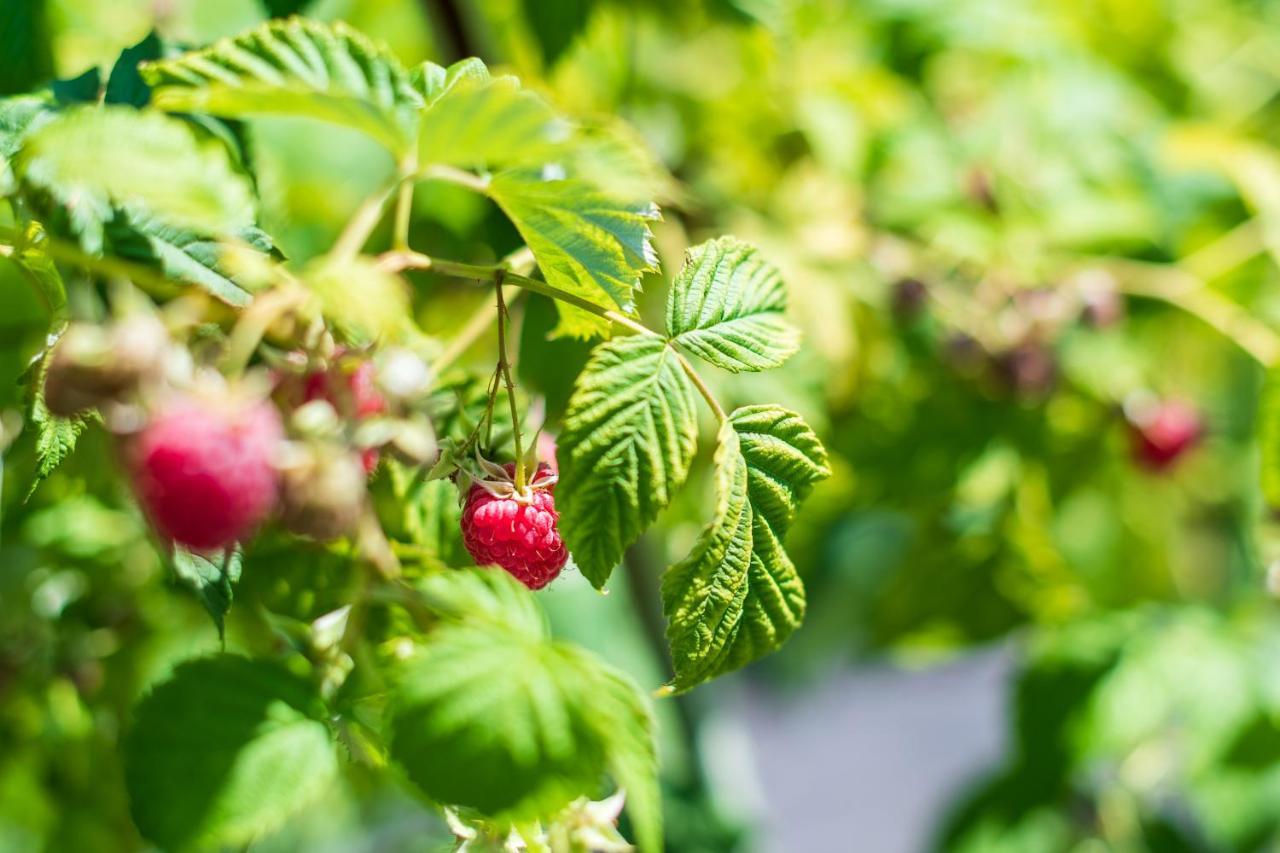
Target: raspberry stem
{"x":504,"y":368}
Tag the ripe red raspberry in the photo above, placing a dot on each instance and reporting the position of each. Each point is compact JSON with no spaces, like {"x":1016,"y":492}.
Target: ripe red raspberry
{"x":516,"y":531}
{"x":354,"y":394}
{"x":203,"y":470}
{"x":1163,"y":433}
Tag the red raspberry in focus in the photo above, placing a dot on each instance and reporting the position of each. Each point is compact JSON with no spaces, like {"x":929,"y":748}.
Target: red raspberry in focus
{"x":516,"y":532}
{"x":1164,"y":432}
{"x":353,"y":394}
{"x":203,"y":470}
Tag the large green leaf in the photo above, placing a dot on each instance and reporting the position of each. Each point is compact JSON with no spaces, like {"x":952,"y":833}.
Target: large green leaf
{"x":295,"y":67}
{"x":586,"y":242}
{"x":225,"y":751}
{"x":726,"y":306}
{"x":628,"y":438}
{"x":737,"y":596}
{"x":483,"y":595}
{"x":90,"y":161}
{"x":507,"y":724}
{"x":475,"y":120}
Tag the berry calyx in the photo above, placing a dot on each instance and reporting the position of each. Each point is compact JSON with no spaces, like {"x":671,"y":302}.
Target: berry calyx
{"x":203,"y":469}
{"x":1163,"y":431}
{"x":515,"y":529}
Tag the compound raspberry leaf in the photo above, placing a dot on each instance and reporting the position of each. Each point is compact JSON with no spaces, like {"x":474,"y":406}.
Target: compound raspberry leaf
{"x":513,"y":726}
{"x":224,"y":751}
{"x":627,"y":442}
{"x":89,"y":162}
{"x":737,"y":596}
{"x":586,"y":242}
{"x":295,"y":67}
{"x":726,"y":306}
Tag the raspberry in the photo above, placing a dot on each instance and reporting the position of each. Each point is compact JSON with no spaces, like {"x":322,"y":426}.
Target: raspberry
{"x":353,"y":393}
{"x":1163,"y":433}
{"x":203,"y":470}
{"x":516,"y":531}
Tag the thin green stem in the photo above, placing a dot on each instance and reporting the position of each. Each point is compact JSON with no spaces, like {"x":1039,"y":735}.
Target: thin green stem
{"x":361,"y":225}
{"x":455,"y":176}
{"x":404,"y":209}
{"x":504,"y":367}
{"x":701,"y":385}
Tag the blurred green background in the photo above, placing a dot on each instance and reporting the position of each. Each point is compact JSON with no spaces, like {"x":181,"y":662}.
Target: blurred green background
{"x":1089,"y":192}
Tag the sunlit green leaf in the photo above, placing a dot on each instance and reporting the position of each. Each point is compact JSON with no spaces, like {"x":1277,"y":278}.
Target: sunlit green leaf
{"x":293,"y":67}
{"x":586,"y":242}
{"x":627,"y":442}
{"x":212,"y":577}
{"x":726,"y":306}
{"x":89,"y":161}
{"x":226,"y":750}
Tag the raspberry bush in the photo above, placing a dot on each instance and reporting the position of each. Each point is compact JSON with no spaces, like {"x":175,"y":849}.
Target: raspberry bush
{"x":258,"y":403}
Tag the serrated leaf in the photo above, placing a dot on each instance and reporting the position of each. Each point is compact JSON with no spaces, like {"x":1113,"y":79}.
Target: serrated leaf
{"x":212,"y":577}
{"x":181,"y":254}
{"x":55,"y":436}
{"x":224,"y":752}
{"x":737,"y":596}
{"x":475,"y":120}
{"x":429,"y":515}
{"x":90,"y":161}
{"x":726,"y":306}
{"x":586,"y":242}
{"x":295,"y":67}
{"x":517,"y":727}
{"x":627,"y":442}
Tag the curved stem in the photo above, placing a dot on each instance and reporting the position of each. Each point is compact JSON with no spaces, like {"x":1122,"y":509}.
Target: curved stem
{"x":404,"y":208}
{"x":701,"y":385}
{"x":362,"y":223}
{"x":504,"y":368}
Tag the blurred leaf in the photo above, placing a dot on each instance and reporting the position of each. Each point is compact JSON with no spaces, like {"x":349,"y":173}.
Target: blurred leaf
{"x":226,"y":750}
{"x":474,"y":120}
{"x":429,"y":515}
{"x":88,"y":161}
{"x":585,"y":242}
{"x":515,"y":726}
{"x":296,"y":67}
{"x":486,"y":595}
{"x":26,"y":56}
{"x":125,"y":84}
{"x":364,"y":302}
{"x":55,"y":436}
{"x":83,"y":89}
{"x":737,"y":596}
{"x":212,"y":577}
{"x":625,"y":447}
{"x":284,"y":8}
{"x":726,"y":306}
{"x":1269,"y":437}
{"x":556,"y":25}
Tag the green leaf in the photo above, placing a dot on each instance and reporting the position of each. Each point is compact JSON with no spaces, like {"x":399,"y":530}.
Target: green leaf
{"x":55,"y":437}
{"x":84,"y":89}
{"x":726,"y":306}
{"x":627,"y":442}
{"x":212,"y":578}
{"x":18,"y":116}
{"x":90,"y":161}
{"x":585,"y":241}
{"x":224,"y":752}
{"x":516,"y":726}
{"x":483,"y":595}
{"x":475,"y":120}
{"x":125,"y":85}
{"x":737,"y":596}
{"x":363,"y":301}
{"x":295,"y":67}
{"x":428,"y":515}
{"x":181,"y":254}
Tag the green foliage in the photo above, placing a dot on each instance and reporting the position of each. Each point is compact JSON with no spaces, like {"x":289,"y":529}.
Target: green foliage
{"x":628,"y":438}
{"x":295,"y":67}
{"x":587,"y":242}
{"x":726,"y":306}
{"x":212,"y":577}
{"x":474,"y":120}
{"x":1269,"y":438}
{"x":737,"y":596}
{"x":224,"y":751}
{"x":364,"y":302}
{"x":96,"y":160}
{"x":491,"y":715}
